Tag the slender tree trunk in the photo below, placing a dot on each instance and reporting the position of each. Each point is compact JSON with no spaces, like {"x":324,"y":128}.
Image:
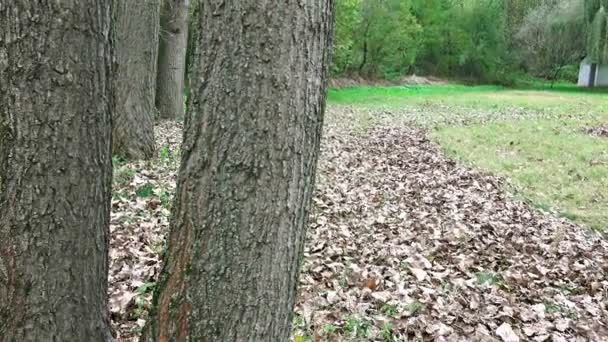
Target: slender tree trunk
{"x":172,"y":59}
{"x":364,"y":61}
{"x":246,"y":178}
{"x":192,"y":18}
{"x":136,"y":27}
{"x":55,"y":169}
{"x":555,"y":75}
{"x":362,"y":65}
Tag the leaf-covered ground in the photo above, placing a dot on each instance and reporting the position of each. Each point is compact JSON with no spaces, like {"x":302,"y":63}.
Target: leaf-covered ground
{"x":549,"y":143}
{"x":403,"y":245}
{"x":600,"y":131}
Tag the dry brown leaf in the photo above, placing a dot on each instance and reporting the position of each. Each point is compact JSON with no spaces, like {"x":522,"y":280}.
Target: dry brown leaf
{"x":506,"y":333}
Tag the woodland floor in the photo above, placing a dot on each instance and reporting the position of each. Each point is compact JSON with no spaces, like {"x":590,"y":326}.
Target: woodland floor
{"x":403,"y":244}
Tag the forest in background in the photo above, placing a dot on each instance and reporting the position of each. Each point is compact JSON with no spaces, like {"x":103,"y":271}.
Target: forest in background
{"x":480,"y":41}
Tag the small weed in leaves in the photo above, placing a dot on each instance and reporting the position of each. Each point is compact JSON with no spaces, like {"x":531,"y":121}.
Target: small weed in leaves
{"x":389,"y":310}
{"x":415,"y":308}
{"x":163,"y":153}
{"x":488,"y":278}
{"x":144,"y":190}
{"x":329,"y":328}
{"x":386,"y":332}
{"x":357,"y":327}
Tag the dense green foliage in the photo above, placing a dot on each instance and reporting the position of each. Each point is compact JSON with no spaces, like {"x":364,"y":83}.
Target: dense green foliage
{"x":597,"y":40}
{"x":478,"y":40}
{"x":561,"y":24}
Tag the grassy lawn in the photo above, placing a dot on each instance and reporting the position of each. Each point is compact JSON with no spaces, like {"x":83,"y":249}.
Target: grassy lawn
{"x":534,"y":137}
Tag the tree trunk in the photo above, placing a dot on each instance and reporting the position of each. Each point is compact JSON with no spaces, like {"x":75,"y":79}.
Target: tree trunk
{"x":362,"y":65}
{"x":172,"y":59}
{"x":55,"y":170}
{"x":192,"y":18}
{"x":136,"y":27}
{"x":555,"y":75}
{"x":247,"y":172}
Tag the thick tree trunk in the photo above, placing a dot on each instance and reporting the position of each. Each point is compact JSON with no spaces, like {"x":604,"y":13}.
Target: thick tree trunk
{"x":172,"y":59}
{"x":55,"y":169}
{"x":136,"y":27}
{"x":246,"y":178}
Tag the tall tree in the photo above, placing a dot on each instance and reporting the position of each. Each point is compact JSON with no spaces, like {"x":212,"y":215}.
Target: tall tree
{"x":549,"y":37}
{"x":247,"y":172}
{"x":386,"y":37}
{"x":597,"y":22}
{"x":136,"y":27}
{"x":172,"y":58}
{"x":55,"y":169}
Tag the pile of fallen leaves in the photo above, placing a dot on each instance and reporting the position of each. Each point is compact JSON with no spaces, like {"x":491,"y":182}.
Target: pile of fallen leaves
{"x":406,"y":245}
{"x":403,"y":245}
{"x":600,"y":131}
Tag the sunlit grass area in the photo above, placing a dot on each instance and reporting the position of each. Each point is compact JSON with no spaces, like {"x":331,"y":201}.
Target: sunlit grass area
{"x":552,"y":163}
{"x":537,"y":96}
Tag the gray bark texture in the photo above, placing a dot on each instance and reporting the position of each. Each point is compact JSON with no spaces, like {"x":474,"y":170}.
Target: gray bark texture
{"x":136,"y":28}
{"x":247,"y":172}
{"x":55,"y":169}
{"x":172,"y":58}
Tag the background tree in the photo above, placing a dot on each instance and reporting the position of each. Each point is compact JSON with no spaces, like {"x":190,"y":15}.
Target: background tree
{"x":55,"y":170}
{"x":375,"y":38}
{"x":136,"y":27}
{"x":348,"y":17}
{"x":386,"y":38}
{"x":437,"y":36}
{"x":597,"y":38}
{"x":192,"y":17}
{"x":550,"y":38}
{"x":247,"y":172}
{"x":483,"y":52}
{"x":172,"y":58}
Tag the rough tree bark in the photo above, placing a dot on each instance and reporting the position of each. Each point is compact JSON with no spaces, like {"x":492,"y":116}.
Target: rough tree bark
{"x":247,"y":172}
{"x":136,"y":28}
{"x":55,"y":169}
{"x":172,"y":58}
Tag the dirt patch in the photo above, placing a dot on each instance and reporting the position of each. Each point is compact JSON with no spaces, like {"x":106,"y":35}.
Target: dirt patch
{"x":599,"y":131}
{"x":345,"y":82}
{"x":421,"y":80}
{"x":356,"y":81}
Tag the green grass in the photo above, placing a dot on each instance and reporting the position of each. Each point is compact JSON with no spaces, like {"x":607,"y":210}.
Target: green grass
{"x":551,"y":163}
{"x":537,"y":96}
{"x":399,"y":94}
{"x":533,"y":136}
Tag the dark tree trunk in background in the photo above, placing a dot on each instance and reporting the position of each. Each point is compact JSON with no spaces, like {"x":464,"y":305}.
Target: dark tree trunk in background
{"x":362,"y":65}
{"x":172,"y":58}
{"x":247,"y":172}
{"x":55,"y":169}
{"x":190,"y":42}
{"x":136,"y":27}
